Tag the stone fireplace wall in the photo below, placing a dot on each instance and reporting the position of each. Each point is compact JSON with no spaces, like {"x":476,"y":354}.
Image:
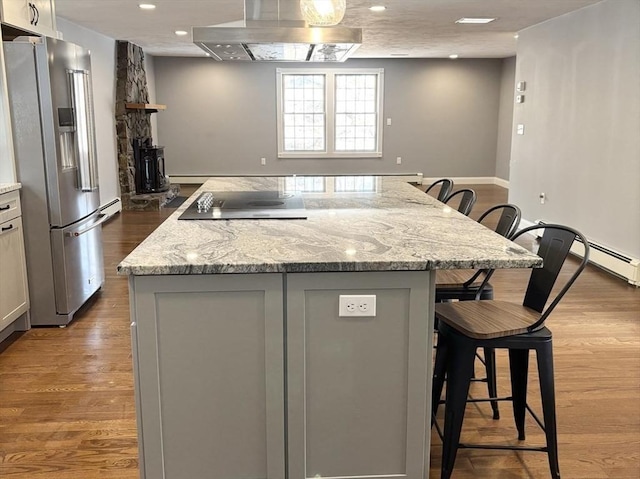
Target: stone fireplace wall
{"x":131,"y":87}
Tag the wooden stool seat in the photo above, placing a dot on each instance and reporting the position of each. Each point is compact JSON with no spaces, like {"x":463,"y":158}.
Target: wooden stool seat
{"x":487,"y":319}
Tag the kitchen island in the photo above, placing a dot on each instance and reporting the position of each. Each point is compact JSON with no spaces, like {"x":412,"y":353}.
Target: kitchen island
{"x":244,"y":367}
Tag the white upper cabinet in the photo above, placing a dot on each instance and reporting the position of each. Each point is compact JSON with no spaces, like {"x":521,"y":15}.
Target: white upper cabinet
{"x":37,"y":16}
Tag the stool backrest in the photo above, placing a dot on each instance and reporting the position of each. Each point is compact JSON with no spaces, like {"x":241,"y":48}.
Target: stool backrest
{"x":467,"y":199}
{"x":509,"y":220}
{"x":554,"y":248}
{"x":446,"y":185}
{"x":508,"y":223}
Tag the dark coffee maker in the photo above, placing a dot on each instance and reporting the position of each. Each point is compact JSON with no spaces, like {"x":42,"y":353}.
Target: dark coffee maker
{"x":149,"y":162}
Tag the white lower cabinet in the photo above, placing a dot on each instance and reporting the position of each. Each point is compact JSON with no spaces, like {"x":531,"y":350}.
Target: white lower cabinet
{"x":14,"y":292}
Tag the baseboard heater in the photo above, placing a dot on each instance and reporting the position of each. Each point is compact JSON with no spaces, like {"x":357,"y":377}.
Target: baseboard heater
{"x":609,"y":260}
{"x":199,"y":179}
{"x":111,"y":208}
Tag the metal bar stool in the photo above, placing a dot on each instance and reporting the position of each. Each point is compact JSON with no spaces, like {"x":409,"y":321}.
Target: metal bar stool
{"x":466,"y":325}
{"x":463,"y":285}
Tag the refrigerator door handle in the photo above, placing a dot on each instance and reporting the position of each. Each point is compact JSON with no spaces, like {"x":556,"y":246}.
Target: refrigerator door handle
{"x":101,"y":219}
{"x":85,"y":141}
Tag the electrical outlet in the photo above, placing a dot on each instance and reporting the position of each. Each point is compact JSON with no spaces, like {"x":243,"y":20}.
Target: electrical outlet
{"x":357,"y":305}
{"x":543,"y":198}
{"x":399,"y":160}
{"x":263,"y":161}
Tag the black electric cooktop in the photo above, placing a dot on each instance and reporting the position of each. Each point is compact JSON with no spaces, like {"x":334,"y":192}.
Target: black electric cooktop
{"x":253,"y":205}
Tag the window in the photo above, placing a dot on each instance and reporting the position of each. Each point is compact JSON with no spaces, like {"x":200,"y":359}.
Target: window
{"x":307,"y":184}
{"x":356,"y":184}
{"x":329,"y":113}
{"x":331,"y":184}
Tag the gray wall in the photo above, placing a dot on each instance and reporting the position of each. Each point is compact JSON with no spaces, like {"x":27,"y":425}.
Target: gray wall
{"x":104,"y":88}
{"x":505,"y":119}
{"x":582,"y":123}
{"x":221,"y":118}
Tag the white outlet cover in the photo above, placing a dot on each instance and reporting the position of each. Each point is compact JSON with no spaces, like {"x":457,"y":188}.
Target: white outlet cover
{"x":351,"y":305}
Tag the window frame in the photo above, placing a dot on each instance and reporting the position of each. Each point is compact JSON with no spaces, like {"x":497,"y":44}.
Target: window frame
{"x":330,"y":112}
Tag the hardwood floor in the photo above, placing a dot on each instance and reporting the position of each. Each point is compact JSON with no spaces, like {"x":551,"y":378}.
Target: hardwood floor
{"x":67,"y":407}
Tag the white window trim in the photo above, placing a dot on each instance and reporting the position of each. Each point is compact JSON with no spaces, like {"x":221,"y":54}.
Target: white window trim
{"x":330,"y":104}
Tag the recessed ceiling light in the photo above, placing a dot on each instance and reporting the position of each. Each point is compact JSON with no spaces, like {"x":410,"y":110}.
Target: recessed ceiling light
{"x":377,"y":8}
{"x":516,"y":36}
{"x":453,"y":56}
{"x":147,"y":6}
{"x":474,"y":20}
{"x":181,"y":33}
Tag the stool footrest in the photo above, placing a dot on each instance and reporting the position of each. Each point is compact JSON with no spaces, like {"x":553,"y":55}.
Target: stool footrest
{"x":503,"y":447}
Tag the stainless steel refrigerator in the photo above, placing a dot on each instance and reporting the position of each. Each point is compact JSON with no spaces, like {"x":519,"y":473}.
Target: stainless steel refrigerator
{"x":50,"y":97}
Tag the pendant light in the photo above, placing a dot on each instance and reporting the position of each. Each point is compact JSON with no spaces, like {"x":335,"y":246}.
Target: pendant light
{"x":323,"y":13}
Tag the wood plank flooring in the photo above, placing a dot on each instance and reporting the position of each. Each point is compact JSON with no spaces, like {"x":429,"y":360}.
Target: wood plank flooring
{"x":67,"y":407}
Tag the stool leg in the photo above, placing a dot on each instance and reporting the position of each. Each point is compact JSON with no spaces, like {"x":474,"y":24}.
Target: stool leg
{"x":439,"y":373}
{"x":459,"y":370}
{"x":547,"y":391}
{"x":519,"y":366}
{"x":492,"y":386}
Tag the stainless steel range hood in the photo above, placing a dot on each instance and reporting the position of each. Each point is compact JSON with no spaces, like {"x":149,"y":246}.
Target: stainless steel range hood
{"x":273,"y":30}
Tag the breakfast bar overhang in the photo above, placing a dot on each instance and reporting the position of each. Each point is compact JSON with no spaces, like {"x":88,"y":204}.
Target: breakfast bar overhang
{"x":245,"y":369}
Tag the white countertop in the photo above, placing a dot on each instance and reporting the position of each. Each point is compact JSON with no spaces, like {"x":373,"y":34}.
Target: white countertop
{"x":8,"y":187}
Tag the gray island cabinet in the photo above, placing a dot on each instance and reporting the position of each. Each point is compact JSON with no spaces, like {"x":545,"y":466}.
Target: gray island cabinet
{"x":244,"y":367}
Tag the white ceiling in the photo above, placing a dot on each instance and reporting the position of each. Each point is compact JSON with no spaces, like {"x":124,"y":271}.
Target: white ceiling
{"x":411,"y":28}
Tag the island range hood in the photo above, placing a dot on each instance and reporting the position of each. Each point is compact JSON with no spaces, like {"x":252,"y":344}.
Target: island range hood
{"x":273,"y":30}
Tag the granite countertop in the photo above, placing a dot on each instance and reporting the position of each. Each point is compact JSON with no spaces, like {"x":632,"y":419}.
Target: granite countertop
{"x":396,"y":228}
{"x":8,"y":187}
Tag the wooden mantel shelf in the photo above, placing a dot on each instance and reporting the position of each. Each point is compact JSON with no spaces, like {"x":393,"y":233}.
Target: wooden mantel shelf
{"x":147,"y":107}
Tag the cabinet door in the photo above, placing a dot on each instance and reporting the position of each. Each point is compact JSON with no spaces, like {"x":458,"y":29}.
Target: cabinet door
{"x":14,"y":298}
{"x":209,"y":373}
{"x":17,"y":13}
{"x":358,"y":387}
{"x":44,"y":21}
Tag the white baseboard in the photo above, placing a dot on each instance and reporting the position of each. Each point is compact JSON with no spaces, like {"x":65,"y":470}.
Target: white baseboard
{"x":471,"y":180}
{"x":411,"y":177}
{"x":501,"y":182}
{"x":112,"y":208}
